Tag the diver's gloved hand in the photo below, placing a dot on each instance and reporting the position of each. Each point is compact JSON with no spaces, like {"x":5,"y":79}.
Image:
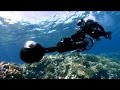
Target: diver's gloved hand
{"x":106,"y":36}
{"x":109,"y":35}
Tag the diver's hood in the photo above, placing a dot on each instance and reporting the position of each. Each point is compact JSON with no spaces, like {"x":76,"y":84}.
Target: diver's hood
{"x":80,"y":23}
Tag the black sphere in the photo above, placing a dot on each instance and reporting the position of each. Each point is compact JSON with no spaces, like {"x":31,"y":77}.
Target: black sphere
{"x":31,"y":55}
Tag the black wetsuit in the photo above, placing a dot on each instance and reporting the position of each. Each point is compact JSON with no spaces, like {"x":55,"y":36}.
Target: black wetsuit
{"x":93,"y":29}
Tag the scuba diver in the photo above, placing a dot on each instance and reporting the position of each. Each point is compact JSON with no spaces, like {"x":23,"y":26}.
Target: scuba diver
{"x":92,"y":29}
{"x":33,"y":52}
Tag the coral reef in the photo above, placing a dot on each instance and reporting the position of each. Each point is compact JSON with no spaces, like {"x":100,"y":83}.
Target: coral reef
{"x":71,"y":65}
{"x":114,"y":55}
{"x":10,"y":71}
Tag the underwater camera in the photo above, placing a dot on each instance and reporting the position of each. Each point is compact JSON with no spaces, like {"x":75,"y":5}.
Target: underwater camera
{"x":33,"y":52}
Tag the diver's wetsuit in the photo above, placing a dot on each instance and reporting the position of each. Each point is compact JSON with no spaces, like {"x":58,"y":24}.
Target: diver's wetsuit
{"x":94,"y":30}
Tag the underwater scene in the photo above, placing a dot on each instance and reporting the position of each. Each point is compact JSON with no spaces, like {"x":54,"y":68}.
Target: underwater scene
{"x":59,"y":45}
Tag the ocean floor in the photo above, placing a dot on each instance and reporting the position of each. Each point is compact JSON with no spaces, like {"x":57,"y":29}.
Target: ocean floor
{"x":71,"y":65}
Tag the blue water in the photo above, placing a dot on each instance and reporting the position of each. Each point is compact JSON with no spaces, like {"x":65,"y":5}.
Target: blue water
{"x":50,"y":31}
